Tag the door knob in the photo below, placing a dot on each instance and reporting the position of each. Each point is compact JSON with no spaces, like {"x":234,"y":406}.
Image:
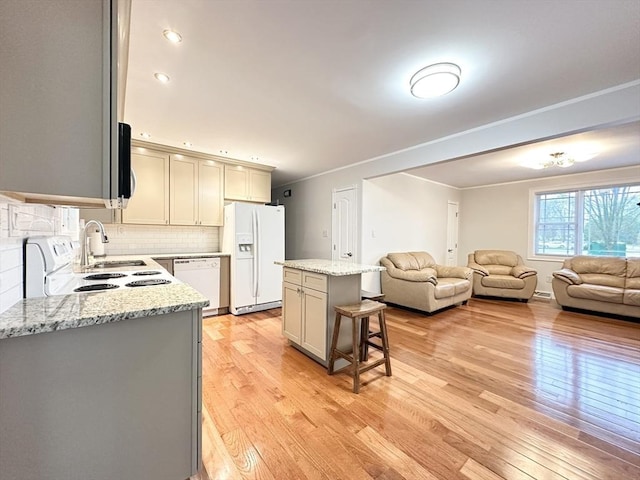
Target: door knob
{"x":450,"y":250}
{"x":349,"y":254}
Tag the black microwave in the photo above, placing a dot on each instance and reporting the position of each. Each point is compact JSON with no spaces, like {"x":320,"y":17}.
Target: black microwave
{"x":122,"y":177}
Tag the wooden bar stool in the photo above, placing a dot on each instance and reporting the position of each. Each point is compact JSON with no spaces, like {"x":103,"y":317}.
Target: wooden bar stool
{"x":359,"y":312}
{"x":364,"y":324}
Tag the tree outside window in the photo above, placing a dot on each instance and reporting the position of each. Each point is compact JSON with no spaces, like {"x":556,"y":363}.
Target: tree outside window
{"x":603,"y":221}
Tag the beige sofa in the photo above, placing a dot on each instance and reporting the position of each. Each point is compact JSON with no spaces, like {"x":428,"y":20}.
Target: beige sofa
{"x":600,"y":284}
{"x":413,"y":280}
{"x":502,"y":273}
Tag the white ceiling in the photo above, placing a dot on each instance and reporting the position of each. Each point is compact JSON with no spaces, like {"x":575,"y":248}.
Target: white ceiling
{"x":310,"y":86}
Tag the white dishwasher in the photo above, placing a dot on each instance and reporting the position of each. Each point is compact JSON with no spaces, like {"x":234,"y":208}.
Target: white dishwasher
{"x":203,"y":274}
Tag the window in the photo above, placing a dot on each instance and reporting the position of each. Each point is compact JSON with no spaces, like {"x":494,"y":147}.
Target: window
{"x":602,"y":221}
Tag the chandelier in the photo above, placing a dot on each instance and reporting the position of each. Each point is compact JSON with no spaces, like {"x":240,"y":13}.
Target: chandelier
{"x":557,"y":159}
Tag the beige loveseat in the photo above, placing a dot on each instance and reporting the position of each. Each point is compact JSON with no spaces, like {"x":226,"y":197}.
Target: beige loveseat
{"x":600,"y":284}
{"x":414,"y":280}
{"x":502,"y":273}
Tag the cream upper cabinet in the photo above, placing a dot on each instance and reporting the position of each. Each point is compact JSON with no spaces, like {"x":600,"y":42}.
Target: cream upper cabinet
{"x":195,"y":192}
{"x":210,"y":198}
{"x":183,"y":191}
{"x":249,"y":184}
{"x":150,"y":201}
{"x":259,"y":186}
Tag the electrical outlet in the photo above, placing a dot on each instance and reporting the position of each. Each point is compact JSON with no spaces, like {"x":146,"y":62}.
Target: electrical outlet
{"x":549,"y":278}
{"x":325,"y":234}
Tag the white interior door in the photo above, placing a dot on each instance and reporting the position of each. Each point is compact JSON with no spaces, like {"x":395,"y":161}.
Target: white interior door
{"x":452,"y":233}
{"x":344,"y":224}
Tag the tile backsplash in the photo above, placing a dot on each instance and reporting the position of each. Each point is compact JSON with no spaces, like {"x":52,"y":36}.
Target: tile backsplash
{"x":150,"y":239}
{"x":18,"y":221}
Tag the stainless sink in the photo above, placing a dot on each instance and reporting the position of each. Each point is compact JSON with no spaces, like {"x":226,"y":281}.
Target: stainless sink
{"x":119,"y":263}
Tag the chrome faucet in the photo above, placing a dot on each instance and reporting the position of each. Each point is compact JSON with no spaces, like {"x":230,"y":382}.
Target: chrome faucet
{"x":84,"y":257}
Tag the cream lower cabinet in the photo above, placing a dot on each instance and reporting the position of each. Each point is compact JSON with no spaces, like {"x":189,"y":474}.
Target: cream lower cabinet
{"x":249,"y":184}
{"x":149,"y":204}
{"x":195,"y":192}
{"x":304,"y":310}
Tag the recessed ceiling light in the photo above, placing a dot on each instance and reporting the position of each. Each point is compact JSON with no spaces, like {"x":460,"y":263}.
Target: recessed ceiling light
{"x":162,"y":77}
{"x":172,"y":36}
{"x":145,"y":135}
{"x":435,"y":80}
{"x":187,"y":144}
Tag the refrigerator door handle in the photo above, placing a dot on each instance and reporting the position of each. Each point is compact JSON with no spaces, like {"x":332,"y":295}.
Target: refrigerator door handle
{"x":256,"y":252}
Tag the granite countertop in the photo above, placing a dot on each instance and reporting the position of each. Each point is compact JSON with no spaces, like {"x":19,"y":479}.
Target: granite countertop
{"x":60,"y":312}
{"x":330,"y":267}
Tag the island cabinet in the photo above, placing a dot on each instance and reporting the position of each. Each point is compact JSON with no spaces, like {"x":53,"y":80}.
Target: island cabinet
{"x":304,"y":315}
{"x":308,"y":301}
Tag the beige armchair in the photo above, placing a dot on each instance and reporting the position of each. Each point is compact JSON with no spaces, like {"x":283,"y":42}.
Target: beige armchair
{"x":414,"y":280}
{"x":502,"y":273}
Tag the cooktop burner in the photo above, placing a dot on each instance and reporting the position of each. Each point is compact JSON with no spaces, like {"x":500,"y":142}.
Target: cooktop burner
{"x":104,"y":276}
{"x":145,"y":283}
{"x":96,"y":287}
{"x":147,"y":272}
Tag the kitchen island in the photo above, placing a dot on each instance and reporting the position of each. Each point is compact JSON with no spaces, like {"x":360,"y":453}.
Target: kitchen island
{"x":310,"y":290}
{"x":102,"y":385}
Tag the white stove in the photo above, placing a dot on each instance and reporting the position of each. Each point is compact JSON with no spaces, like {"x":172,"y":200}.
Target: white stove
{"x":49,"y":271}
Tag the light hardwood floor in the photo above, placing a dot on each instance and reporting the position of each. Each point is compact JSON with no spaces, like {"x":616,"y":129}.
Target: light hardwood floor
{"x":494,"y":389}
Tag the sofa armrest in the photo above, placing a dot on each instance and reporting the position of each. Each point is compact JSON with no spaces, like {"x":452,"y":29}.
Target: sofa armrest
{"x":424,"y":275}
{"x":568,"y":276}
{"x":445,"y":271}
{"x":521,"y":271}
{"x":477,"y":268}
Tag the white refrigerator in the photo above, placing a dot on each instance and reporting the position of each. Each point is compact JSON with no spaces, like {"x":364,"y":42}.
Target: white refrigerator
{"x":253,"y":235}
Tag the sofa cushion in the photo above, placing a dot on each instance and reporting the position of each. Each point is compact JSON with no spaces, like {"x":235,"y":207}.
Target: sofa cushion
{"x":424,"y":259}
{"x":448,"y":287}
{"x":498,"y":269}
{"x":602,"y":293}
{"x":496,"y":257}
{"x":606,"y":271}
{"x":425,"y":275}
{"x":445,"y":271}
{"x":631,"y":297}
{"x":411,"y":260}
{"x":502,"y":281}
{"x":633,"y":273}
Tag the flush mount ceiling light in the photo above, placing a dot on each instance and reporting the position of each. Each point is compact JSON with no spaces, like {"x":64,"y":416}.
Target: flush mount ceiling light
{"x":435,"y":80}
{"x":172,"y":36}
{"x":162,"y":77}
